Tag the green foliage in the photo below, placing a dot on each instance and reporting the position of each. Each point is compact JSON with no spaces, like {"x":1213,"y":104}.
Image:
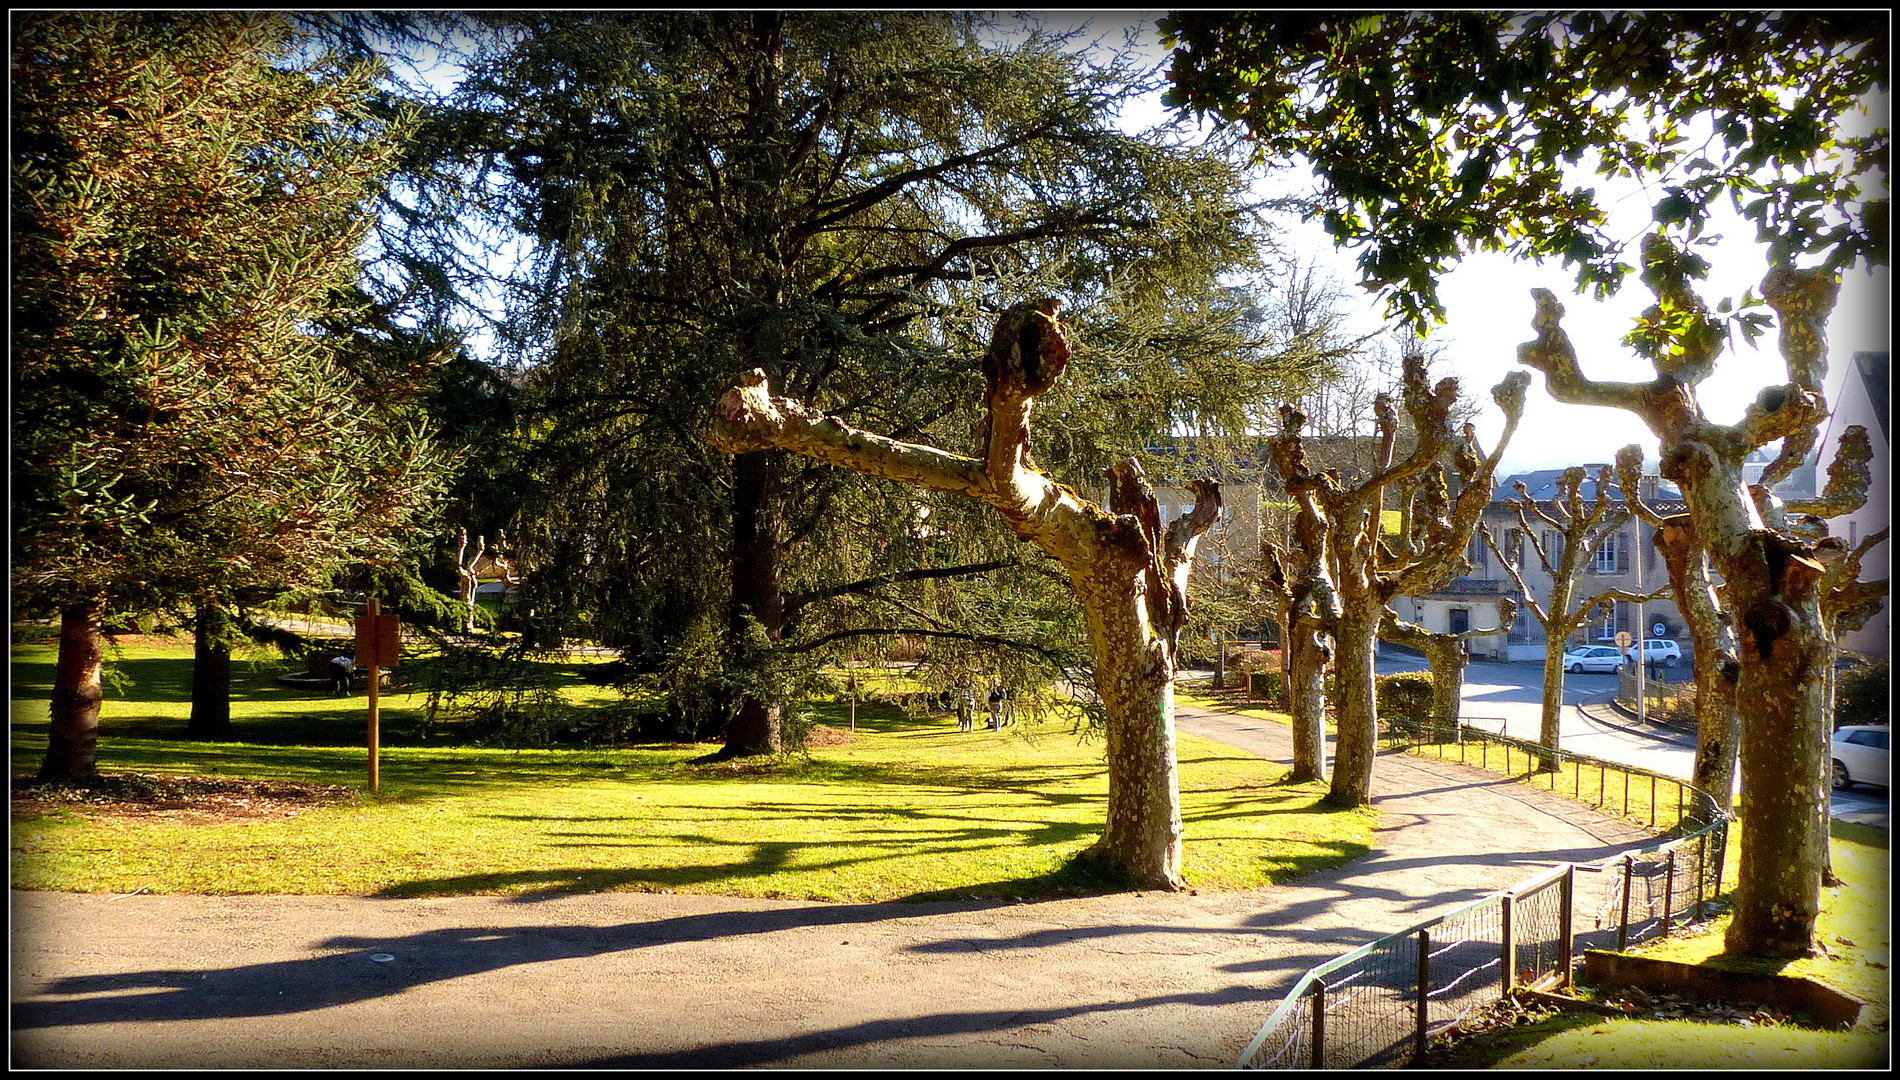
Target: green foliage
{"x":1434,"y":133}
{"x":1406,"y":694}
{"x":845,"y":200}
{"x":1861,"y":695}
{"x":191,"y":415}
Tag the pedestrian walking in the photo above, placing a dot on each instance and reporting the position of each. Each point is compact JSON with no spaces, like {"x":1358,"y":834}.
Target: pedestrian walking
{"x":996,"y":707}
{"x":966,"y":705}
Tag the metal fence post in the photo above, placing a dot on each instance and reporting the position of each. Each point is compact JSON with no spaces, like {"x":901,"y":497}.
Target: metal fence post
{"x":1701,"y":874}
{"x":1507,"y":909}
{"x":1319,"y":1023}
{"x":1623,"y":930}
{"x":1567,"y":916}
{"x":1424,"y":988}
{"x":1669,"y":893}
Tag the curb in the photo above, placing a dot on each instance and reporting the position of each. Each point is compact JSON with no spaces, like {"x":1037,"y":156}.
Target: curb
{"x":1612,"y":713}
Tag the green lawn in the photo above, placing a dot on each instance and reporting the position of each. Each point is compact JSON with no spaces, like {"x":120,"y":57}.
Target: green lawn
{"x":908,"y":809}
{"x":1854,"y":933}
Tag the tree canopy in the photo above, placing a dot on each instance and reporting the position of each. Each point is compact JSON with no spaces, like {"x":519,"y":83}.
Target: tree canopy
{"x":842,"y":200}
{"x":186,"y":199}
{"x":1437,"y":133}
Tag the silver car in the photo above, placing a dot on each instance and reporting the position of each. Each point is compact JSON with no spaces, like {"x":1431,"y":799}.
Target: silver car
{"x":1860,"y":757}
{"x":1592,"y":658}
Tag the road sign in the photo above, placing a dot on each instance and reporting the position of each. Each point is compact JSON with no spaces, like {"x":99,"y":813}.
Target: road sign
{"x":1658,"y":629}
{"x":1623,"y":639}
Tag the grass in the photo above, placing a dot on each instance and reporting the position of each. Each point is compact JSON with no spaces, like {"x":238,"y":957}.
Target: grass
{"x":1854,"y":958}
{"x":1853,"y":930}
{"x":908,"y":809}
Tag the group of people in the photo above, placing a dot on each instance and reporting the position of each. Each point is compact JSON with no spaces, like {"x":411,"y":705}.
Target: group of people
{"x":1002,"y":706}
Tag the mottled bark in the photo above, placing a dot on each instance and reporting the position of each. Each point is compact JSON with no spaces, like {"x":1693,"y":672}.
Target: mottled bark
{"x":1771,"y":577}
{"x":72,"y":737}
{"x":1365,"y":572}
{"x":1129,"y":570}
{"x":1447,"y":653}
{"x":1718,"y":726}
{"x":1302,"y":585}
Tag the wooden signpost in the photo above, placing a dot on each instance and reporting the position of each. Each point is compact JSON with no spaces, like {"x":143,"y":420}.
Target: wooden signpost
{"x":378,"y":645}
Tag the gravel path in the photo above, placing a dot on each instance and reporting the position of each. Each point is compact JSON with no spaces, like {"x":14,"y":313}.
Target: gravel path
{"x":1141,"y":980}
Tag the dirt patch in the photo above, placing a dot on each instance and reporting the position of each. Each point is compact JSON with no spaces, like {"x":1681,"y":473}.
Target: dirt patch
{"x":195,"y":800}
{"x":820,"y":735}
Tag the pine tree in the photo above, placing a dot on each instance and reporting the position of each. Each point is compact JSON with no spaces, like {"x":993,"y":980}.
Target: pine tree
{"x":187,"y":196}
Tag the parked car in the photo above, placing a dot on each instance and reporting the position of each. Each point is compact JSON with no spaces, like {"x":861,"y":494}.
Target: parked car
{"x":1592,"y":658}
{"x":1860,"y":756}
{"x":1659,"y":651}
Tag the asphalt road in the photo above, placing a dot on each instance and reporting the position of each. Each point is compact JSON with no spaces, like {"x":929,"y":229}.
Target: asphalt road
{"x":1508,"y":697}
{"x":643,"y":980}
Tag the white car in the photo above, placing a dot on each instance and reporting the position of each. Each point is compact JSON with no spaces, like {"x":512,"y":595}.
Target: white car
{"x":1659,"y":651}
{"x":1860,"y":756}
{"x":1592,"y":658}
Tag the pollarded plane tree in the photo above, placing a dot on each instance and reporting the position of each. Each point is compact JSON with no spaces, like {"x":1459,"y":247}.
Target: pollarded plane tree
{"x":1773,"y":578}
{"x":1129,"y":571}
{"x":1366,"y":573}
{"x":1563,"y":535}
{"x":1426,"y":514}
{"x":1298,"y":583}
{"x":1846,"y":601}
{"x":1436,"y":134}
{"x":1448,"y":653}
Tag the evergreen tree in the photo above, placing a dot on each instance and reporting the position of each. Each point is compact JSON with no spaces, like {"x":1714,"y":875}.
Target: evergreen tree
{"x":844,"y":201}
{"x":187,"y":196}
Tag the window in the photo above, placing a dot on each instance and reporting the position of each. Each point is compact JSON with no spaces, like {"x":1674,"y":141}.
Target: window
{"x":1610,"y":555}
{"x":1514,"y":547}
{"x":1476,"y":552}
{"x":1554,"y":547}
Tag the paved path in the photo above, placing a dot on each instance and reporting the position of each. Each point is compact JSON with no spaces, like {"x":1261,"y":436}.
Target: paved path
{"x":642,"y":980}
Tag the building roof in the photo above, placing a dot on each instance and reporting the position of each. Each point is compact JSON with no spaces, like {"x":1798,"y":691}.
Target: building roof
{"x":1543,"y":486}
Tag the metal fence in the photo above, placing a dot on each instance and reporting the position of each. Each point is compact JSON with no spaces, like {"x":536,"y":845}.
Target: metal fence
{"x":1662,"y":700}
{"x":1380,"y":1004}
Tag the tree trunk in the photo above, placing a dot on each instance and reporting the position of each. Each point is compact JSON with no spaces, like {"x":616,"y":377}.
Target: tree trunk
{"x":1718,"y":726}
{"x":211,"y":674}
{"x":1550,"y":720}
{"x":1305,"y":687}
{"x":72,"y":738}
{"x":1448,"y":663}
{"x":1141,"y":837}
{"x":1783,"y":756}
{"x":1356,"y":714}
{"x":1130,"y":572}
{"x":757,"y":595}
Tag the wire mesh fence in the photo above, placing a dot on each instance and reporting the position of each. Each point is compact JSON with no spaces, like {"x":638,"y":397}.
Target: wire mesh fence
{"x":1380,"y":1004}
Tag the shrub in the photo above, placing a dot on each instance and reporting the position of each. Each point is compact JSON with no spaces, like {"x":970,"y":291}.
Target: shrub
{"x":1860,"y":695}
{"x":1406,"y":694}
{"x":1272,"y":688}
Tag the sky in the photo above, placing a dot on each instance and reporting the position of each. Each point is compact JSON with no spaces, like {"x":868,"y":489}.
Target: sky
{"x":1488,"y":309}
